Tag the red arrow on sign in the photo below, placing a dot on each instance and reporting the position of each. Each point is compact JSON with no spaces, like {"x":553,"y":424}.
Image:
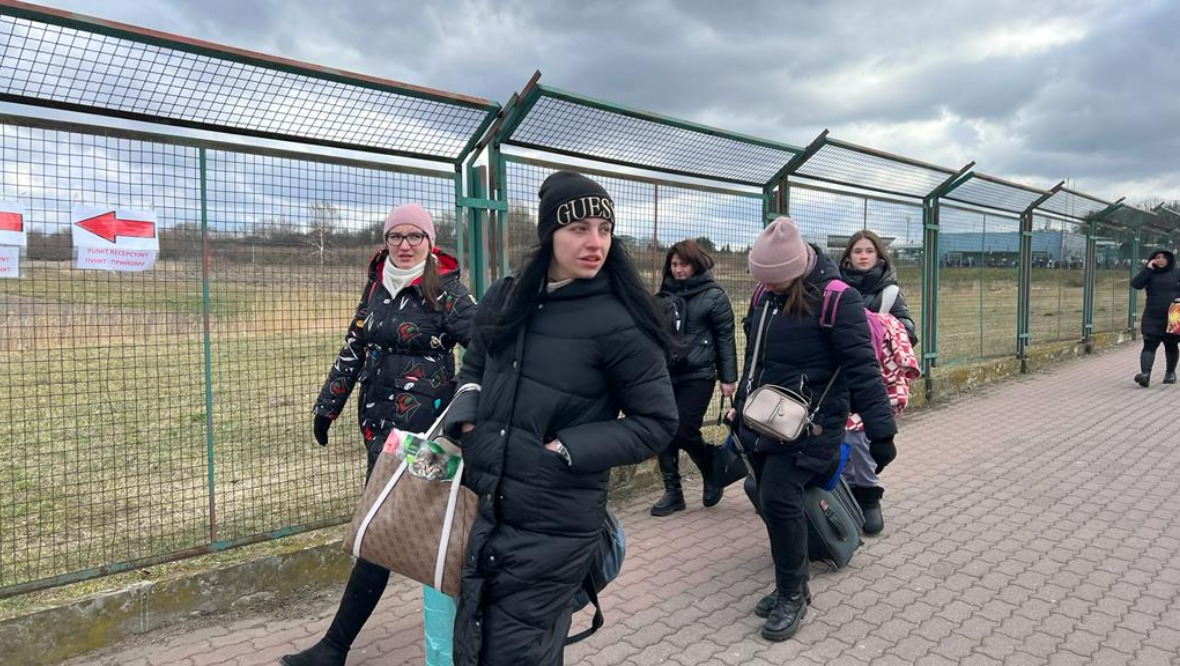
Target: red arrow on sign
{"x":11,"y":221}
{"x":107,"y":227}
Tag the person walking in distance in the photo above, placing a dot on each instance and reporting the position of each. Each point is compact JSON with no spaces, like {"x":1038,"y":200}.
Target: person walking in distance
{"x":700,"y":318}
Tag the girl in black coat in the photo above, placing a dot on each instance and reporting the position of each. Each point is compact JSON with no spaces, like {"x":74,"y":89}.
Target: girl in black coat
{"x":400,"y":349}
{"x":797,"y":352}
{"x":706,"y":352}
{"x":1161,"y":279}
{"x":559,"y":351}
{"x":866,"y":266}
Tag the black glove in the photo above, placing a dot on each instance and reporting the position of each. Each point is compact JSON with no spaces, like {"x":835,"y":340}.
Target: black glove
{"x":322,"y":423}
{"x":883,"y":452}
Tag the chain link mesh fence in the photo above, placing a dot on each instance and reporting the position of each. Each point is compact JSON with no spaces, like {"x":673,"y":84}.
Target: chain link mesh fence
{"x":107,"y":451}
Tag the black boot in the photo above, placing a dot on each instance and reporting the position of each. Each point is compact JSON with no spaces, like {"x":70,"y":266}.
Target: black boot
{"x":1169,"y":378}
{"x":320,"y":654}
{"x":766,"y":604}
{"x":711,"y":494}
{"x":673,"y":499}
{"x":785,"y":617}
{"x":869,"y":499}
{"x":1146,"y":360}
{"x":361,"y":594}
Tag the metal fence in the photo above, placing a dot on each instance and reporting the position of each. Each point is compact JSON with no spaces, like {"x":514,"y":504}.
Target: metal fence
{"x":163,"y":413}
{"x":152,"y":415}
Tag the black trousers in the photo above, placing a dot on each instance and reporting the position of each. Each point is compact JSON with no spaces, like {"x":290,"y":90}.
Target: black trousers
{"x":693,"y":397}
{"x":780,"y":496}
{"x":1171,"y":345}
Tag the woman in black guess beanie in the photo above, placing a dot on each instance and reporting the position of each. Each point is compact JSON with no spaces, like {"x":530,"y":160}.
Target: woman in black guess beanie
{"x":559,"y":350}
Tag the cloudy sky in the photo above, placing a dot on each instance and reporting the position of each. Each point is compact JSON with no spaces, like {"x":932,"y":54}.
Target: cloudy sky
{"x":1038,"y":92}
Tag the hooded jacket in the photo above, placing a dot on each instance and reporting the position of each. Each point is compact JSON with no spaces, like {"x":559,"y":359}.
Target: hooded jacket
{"x":870,"y":283}
{"x":400,"y":351}
{"x":711,"y":349}
{"x":1162,"y":286}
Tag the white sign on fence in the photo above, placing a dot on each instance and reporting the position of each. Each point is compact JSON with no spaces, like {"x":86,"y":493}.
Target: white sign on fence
{"x":116,"y":239}
{"x":14,"y":227}
{"x":9,"y":261}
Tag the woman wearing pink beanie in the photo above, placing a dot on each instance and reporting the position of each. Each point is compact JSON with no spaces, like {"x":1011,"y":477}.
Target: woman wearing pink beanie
{"x":797,"y":352}
{"x":399,"y":347}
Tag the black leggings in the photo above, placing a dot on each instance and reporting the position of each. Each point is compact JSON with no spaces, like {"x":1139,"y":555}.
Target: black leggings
{"x":1171,"y":345}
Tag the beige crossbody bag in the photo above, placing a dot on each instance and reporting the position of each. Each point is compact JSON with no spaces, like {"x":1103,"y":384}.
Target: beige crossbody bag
{"x":775,"y":411}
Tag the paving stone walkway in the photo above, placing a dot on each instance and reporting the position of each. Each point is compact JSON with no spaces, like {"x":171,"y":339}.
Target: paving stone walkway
{"x":1029,"y":523}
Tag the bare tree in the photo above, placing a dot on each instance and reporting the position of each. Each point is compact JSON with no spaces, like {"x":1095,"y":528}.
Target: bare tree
{"x":320,"y":231}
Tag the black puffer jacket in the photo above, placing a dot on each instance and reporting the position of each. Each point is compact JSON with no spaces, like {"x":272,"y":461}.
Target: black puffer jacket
{"x":581,"y":361}
{"x":1162,"y":285}
{"x":796,"y":348}
{"x":711,"y":350}
{"x":401,"y":353}
{"x":871,"y":283}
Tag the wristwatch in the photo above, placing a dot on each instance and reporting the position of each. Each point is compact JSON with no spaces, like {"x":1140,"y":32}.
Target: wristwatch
{"x":563,"y":452}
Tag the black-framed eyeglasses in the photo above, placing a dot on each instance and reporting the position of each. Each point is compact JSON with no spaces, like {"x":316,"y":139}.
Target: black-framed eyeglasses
{"x":414,"y":239}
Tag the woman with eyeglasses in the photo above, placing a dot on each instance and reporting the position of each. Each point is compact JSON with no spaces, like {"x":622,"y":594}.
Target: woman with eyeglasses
{"x":399,"y":348}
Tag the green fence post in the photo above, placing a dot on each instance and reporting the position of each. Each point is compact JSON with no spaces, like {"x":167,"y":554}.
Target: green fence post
{"x":1088,"y":286}
{"x":930,"y":279}
{"x":475,"y":231}
{"x":1133,"y":297}
{"x":208,"y":345}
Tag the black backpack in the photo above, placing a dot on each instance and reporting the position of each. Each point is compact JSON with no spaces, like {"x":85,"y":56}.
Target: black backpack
{"x":674,"y":313}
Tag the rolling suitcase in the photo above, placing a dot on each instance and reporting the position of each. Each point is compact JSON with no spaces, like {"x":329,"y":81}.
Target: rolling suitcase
{"x":834,"y":522}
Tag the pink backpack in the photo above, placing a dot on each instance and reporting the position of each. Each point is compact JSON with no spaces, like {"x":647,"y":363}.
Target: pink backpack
{"x":833,"y":290}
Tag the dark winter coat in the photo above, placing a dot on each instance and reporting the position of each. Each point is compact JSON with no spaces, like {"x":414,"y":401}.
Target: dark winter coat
{"x":1162,"y":285}
{"x":580,"y":362}
{"x":871,"y":283}
{"x":710,"y":346}
{"x":796,"y":348}
{"x":401,"y":353}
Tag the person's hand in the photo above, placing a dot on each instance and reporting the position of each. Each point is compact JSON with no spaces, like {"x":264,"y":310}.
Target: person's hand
{"x":320,"y":428}
{"x":883,"y":452}
{"x":727,"y":390}
{"x":730,"y":415}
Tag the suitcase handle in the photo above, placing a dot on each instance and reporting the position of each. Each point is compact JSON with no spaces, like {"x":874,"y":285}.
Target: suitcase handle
{"x":834,"y":520}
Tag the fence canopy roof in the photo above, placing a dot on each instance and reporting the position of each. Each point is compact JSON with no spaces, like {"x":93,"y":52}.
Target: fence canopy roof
{"x":991,"y":192}
{"x":1075,"y":205}
{"x":842,"y":163}
{"x":63,"y":60}
{"x":566,"y":123}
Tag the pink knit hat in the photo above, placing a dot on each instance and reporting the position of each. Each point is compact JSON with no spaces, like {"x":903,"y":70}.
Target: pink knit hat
{"x":413,"y":215}
{"x":779,"y":254}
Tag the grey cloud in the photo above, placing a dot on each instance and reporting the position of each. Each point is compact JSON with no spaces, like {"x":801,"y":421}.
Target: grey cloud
{"x":1099,"y":109}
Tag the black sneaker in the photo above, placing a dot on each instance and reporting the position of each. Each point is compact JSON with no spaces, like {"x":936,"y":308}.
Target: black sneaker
{"x":1169,"y":378}
{"x":1143,"y":379}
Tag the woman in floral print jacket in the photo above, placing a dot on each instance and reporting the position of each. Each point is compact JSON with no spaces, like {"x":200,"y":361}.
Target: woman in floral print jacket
{"x":400,"y":349}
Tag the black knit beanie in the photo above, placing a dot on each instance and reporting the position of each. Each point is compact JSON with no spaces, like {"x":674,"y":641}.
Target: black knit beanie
{"x":569,"y":197}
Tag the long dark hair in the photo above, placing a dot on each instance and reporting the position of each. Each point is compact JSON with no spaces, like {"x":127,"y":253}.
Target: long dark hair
{"x":878,"y":245}
{"x":502,"y":327}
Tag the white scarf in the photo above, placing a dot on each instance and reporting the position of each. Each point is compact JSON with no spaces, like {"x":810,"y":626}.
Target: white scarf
{"x":395,"y":279}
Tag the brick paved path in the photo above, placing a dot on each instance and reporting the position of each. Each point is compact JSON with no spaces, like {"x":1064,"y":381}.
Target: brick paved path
{"x":1033,"y":523}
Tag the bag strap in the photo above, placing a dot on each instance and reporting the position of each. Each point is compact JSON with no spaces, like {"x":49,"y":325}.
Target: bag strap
{"x":437,"y":427}
{"x":757,"y":348}
{"x":888,"y":298}
{"x":440,"y":562}
{"x":597,"y":622}
{"x":364,"y":526}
